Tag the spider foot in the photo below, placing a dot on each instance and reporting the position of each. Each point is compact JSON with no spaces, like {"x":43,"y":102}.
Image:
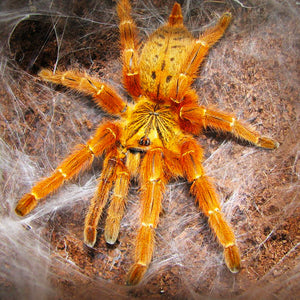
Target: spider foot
{"x":267,"y":143}
{"x":111,"y":232}
{"x":26,"y":205}
{"x":232,"y":258}
{"x":136,"y":273}
{"x":90,"y":234}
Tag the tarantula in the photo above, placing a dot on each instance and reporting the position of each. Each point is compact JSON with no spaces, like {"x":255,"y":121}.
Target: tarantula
{"x":152,"y":139}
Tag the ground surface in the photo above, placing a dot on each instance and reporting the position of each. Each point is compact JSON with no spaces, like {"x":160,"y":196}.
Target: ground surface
{"x":253,"y":72}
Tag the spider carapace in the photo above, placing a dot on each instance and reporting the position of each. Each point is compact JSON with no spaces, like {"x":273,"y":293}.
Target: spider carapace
{"x":153,"y":138}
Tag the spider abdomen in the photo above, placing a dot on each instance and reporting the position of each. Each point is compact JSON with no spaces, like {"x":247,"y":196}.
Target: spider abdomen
{"x":162,"y":60}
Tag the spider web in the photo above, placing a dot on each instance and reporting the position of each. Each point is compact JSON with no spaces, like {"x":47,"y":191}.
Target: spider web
{"x":253,"y":72}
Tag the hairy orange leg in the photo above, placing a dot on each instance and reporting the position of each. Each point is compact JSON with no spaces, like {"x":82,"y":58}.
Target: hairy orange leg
{"x":117,"y":204}
{"x":199,"y":48}
{"x":128,"y":35}
{"x":191,"y":157}
{"x":152,"y":185}
{"x":106,"y":180}
{"x":105,"y":136}
{"x":104,"y":95}
{"x":203,"y":117}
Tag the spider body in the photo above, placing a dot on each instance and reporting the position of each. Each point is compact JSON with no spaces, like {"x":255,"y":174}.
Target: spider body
{"x":153,"y":138}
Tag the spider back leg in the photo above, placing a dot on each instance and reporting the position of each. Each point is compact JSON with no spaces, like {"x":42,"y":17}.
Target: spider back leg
{"x":202,"y":189}
{"x":128,"y":35}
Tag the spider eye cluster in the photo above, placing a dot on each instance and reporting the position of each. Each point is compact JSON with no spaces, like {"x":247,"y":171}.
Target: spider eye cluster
{"x":144,"y":141}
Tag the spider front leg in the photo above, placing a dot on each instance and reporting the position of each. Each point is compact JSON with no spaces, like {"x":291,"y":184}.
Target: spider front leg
{"x":152,"y":186}
{"x":201,"y":117}
{"x":114,"y":171}
{"x":117,"y":204}
{"x":191,"y":157}
{"x":105,"y":137}
{"x":104,"y":95}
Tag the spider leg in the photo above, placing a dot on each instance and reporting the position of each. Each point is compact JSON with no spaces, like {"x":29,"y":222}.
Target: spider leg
{"x":152,"y":185}
{"x":104,"y":95}
{"x":116,"y":208}
{"x":106,"y":180}
{"x":199,"y":48}
{"x":202,"y":189}
{"x":128,"y":35}
{"x":81,"y":158}
{"x":203,"y":117}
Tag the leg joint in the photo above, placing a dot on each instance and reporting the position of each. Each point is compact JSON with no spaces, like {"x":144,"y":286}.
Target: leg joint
{"x":62,"y":172}
{"x":212,"y":211}
{"x":34,"y":195}
{"x":202,"y":43}
{"x":154,"y":180}
{"x":229,"y":245}
{"x":112,"y":132}
{"x":232,"y":123}
{"x":187,"y":152}
{"x":150,"y":225}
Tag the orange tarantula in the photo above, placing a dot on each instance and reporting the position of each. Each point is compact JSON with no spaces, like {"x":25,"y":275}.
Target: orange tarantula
{"x":152,"y":140}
